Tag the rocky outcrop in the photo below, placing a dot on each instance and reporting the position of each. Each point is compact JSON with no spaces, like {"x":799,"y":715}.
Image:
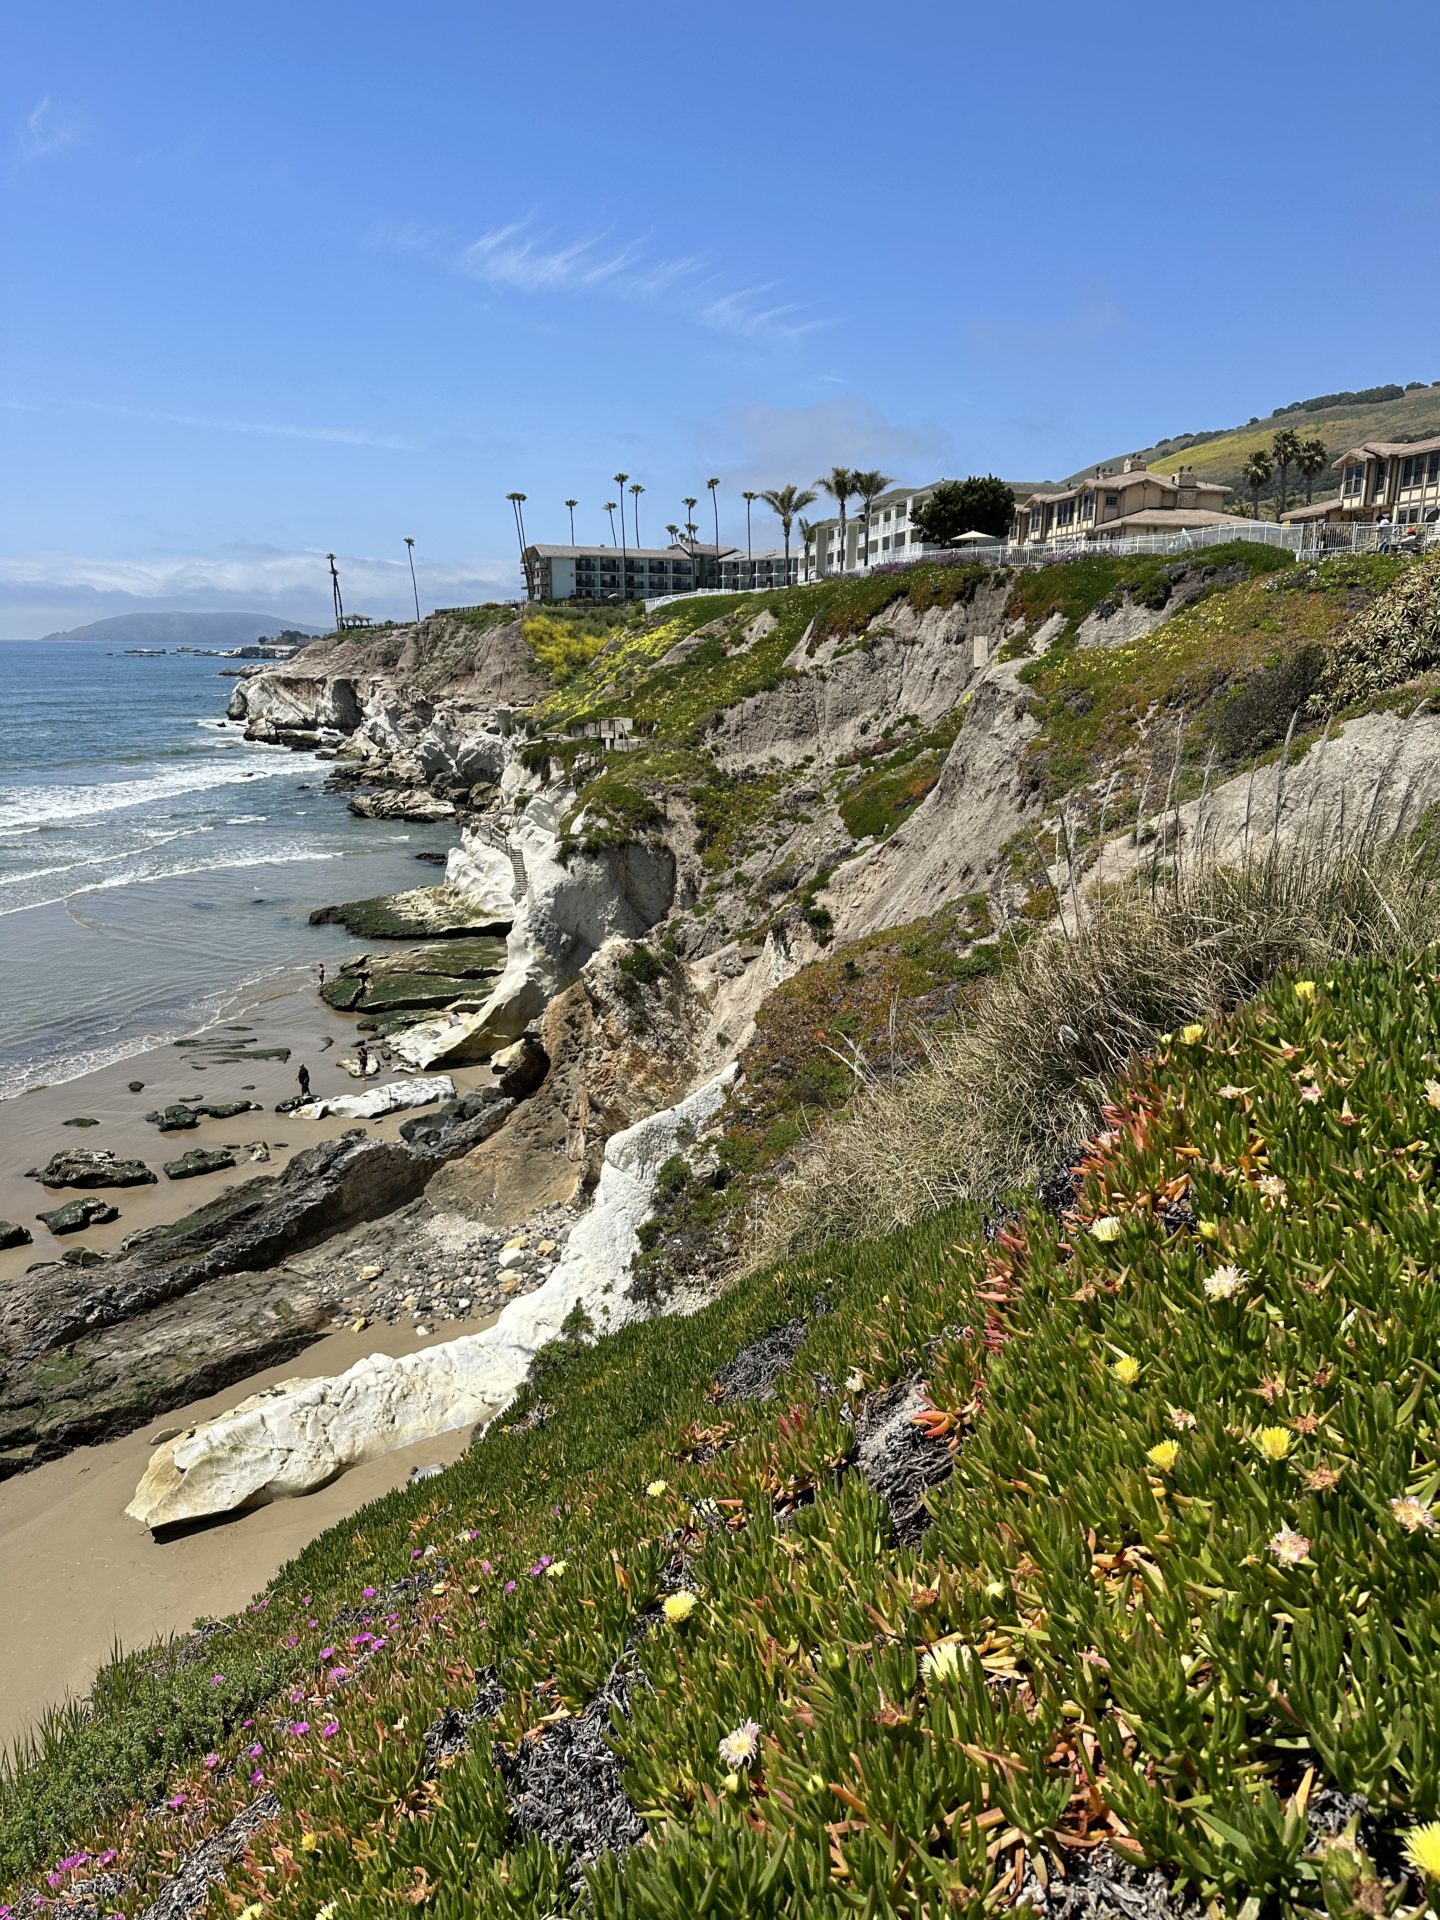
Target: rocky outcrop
{"x":300,"y":1434}
{"x":395,"y":1097}
{"x":199,"y":1160}
{"x":950,"y":845}
{"x":407,"y":803}
{"x":563,"y":904}
{"x":76,"y":1215}
{"x":86,"y":1353}
{"x":13,"y":1235}
{"x":78,"y":1167}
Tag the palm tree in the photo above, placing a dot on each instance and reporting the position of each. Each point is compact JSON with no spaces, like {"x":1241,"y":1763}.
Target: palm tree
{"x":870,"y":484}
{"x":1257,"y":475}
{"x":620,"y":479}
{"x":674,"y":532}
{"x":690,"y":503}
{"x":785,"y":502}
{"x":1284,"y":450}
{"x":839,"y":483}
{"x":517,"y":501}
{"x":635,"y":492}
{"x":1309,"y":462}
{"x":335,"y":593}
{"x":410,"y":552}
{"x":572,"y":504}
{"x":807,"y":534}
{"x":610,"y":509}
{"x":749,"y":499}
{"x":715,"y":503}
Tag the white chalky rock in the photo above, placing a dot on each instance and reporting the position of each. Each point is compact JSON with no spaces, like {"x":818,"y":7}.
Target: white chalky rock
{"x":298,"y":1435}
{"x":387,"y":1099}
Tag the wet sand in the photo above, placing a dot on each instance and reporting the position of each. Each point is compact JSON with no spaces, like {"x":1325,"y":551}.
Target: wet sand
{"x":92,"y":1576}
{"x":286,"y":1011}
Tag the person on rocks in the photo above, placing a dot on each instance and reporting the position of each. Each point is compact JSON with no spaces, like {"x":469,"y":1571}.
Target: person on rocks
{"x":320,"y":971}
{"x":362,"y":1059}
{"x":304,"y":1079}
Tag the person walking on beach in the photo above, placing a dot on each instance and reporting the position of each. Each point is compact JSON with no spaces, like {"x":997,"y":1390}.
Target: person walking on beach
{"x":321,"y":971}
{"x":362,"y":1059}
{"x":304,"y":1078}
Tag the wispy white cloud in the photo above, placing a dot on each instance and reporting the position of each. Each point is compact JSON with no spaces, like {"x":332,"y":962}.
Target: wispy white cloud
{"x":520,"y":257}
{"x":44,"y":131}
{"x":211,"y":423}
{"x":769,"y":445}
{"x":43,"y":591}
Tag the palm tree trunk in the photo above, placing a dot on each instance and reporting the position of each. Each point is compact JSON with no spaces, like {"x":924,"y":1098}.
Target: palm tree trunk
{"x":748,"y":554}
{"x":715,"y":503}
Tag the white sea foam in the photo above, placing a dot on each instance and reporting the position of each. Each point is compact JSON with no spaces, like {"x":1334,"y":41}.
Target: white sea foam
{"x":34,"y":807}
{"x":279,"y":858}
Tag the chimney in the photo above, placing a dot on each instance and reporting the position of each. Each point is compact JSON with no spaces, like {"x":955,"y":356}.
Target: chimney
{"x":1184,"y":482}
{"x":1134,"y":463}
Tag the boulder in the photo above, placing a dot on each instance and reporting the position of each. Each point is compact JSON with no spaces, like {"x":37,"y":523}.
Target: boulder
{"x":173,"y":1119}
{"x":79,"y":1167}
{"x":12,"y":1235}
{"x":405,"y":803}
{"x":298,"y":1435}
{"x":521,"y":1066}
{"x":199,"y":1160}
{"x":80,"y":1120}
{"x":76,"y":1215}
{"x":391,"y":1098}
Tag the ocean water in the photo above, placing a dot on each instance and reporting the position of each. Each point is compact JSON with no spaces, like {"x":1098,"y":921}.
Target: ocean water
{"x":153,"y":862}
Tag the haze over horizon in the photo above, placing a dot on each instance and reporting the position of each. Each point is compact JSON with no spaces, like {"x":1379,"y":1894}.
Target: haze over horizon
{"x":395,"y":268}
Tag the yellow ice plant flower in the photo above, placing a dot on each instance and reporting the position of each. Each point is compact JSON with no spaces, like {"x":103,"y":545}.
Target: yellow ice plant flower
{"x":1304,"y":989}
{"x":678,"y":1607}
{"x":1126,"y":1369}
{"x":1193,"y":1034}
{"x":1107,"y":1227}
{"x":309,"y":1842}
{"x":1164,"y":1454}
{"x":1422,"y":1849}
{"x":1432,"y":1093}
{"x":1274,"y":1443}
{"x":657,"y":1487}
{"x":1224,"y":1283}
{"x":1412,"y":1514}
{"x":252,"y":1912}
{"x":1209,"y":1229}
{"x":554,"y":1570}
{"x":944,"y":1661}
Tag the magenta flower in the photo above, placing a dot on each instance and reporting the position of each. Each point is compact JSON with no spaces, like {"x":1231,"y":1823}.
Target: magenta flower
{"x":509,"y":1586}
{"x":176,"y":1801}
{"x":329,"y":1730}
{"x":297,"y":1727}
{"x":415,"y":1553}
{"x":293,"y":1641}
{"x":336,"y":1673}
{"x":254,"y":1753}
{"x":368,"y":1593}
{"x":256,"y":1777}
{"x":212,"y":1760}
{"x":217,"y":1679}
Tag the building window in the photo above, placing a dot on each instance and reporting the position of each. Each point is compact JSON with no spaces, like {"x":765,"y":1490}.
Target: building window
{"x":1354,"y":476}
{"x":1112,"y":499}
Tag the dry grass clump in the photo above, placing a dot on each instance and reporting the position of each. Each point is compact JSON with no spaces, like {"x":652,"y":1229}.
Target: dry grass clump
{"x":1006,"y":1096}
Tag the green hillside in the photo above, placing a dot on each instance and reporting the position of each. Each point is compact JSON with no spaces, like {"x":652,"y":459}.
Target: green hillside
{"x":1413,"y":415}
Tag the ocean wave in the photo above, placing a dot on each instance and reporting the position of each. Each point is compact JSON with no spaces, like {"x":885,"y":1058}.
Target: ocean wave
{"x":34,"y":807}
{"x":246,"y":819}
{"x":280,"y":858}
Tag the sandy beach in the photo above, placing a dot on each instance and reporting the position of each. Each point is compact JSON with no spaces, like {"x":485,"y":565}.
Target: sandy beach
{"x":284,"y":1012}
{"x":106,"y":1579}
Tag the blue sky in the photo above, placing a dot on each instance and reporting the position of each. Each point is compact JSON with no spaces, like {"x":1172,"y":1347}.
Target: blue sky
{"x":287,"y":277}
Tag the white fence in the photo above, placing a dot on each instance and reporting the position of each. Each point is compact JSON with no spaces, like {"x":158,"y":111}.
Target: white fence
{"x":1308,"y":538}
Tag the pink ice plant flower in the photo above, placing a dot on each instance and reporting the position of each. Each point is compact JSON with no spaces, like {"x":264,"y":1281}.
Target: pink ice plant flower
{"x":368,"y":1593}
{"x":329,"y":1730}
{"x":212,"y":1760}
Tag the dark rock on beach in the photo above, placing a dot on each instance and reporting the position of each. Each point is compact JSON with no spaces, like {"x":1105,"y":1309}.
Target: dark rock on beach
{"x":13,"y":1235}
{"x":199,"y":1160}
{"x":424,"y":913}
{"x":80,"y":1120}
{"x":76,"y":1215}
{"x":79,"y":1167}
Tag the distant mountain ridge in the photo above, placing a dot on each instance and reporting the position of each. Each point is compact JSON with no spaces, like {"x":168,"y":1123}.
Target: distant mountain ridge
{"x":182,"y":629}
{"x":1377,"y":413}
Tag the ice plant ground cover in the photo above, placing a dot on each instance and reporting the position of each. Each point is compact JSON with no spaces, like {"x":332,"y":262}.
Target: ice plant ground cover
{"x":1179,"y":1597}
